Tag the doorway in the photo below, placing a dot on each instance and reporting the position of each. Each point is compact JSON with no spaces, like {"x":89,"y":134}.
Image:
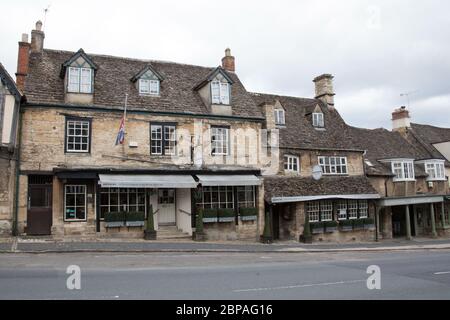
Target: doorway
{"x":39,"y":213}
{"x":166,"y":207}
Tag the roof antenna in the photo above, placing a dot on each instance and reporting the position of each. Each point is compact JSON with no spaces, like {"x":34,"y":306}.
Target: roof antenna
{"x":45,"y":15}
{"x":407,"y":94}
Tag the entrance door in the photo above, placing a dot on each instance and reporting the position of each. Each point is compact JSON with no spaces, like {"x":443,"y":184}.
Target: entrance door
{"x":39,"y":214}
{"x":166,"y":206}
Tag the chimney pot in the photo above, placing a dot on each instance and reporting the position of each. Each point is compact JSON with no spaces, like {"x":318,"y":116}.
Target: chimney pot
{"x":228,"y":61}
{"x":39,"y":25}
{"x":24,"y":37}
{"x":401,"y":119}
{"x":324,"y":89}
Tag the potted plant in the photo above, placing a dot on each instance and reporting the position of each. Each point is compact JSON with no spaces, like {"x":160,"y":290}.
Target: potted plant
{"x":346,"y":225}
{"x":134,"y":219}
{"x":248,"y":214}
{"x":209,"y":215}
{"x":331,"y":226}
{"x":358,"y":224}
{"x":306,"y":236}
{"x":199,"y":234}
{"x":369,"y":224}
{"x":150,"y":232}
{"x":226,"y":215}
{"x":317,"y":227}
{"x":114,"y":219}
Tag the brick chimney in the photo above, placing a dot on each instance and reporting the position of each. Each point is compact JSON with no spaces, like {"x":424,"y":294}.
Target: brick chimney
{"x":37,"y":38}
{"x":23,"y":61}
{"x":324,"y":89}
{"x":228,"y":61}
{"x":401,"y":119}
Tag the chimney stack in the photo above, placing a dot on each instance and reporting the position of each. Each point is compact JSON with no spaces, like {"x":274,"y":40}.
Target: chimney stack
{"x":23,"y":61}
{"x":37,"y":38}
{"x":228,"y":61}
{"x":401,"y":120}
{"x":324,"y":89}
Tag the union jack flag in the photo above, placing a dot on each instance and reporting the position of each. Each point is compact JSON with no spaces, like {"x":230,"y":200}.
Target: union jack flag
{"x":121,"y":134}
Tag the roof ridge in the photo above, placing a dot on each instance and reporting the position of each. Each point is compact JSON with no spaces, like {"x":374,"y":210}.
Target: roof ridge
{"x":279,"y":95}
{"x":429,"y":125}
{"x":130,"y":59}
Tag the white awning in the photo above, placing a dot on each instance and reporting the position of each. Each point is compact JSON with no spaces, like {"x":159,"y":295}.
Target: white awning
{"x":146,"y":181}
{"x":229,"y":180}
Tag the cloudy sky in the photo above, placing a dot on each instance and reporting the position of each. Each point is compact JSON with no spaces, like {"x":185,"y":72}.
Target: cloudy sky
{"x":375,"y":49}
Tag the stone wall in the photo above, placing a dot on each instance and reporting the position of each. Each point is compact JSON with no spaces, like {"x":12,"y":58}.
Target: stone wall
{"x":223,"y":231}
{"x":7,"y":186}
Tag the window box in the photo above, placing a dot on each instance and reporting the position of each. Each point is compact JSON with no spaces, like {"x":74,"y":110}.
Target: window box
{"x":209,"y":215}
{"x":369,"y":224}
{"x":346,"y":225}
{"x":226,"y":215}
{"x":134,"y":219}
{"x":317,"y":227}
{"x":331,"y":226}
{"x":114,"y":219}
{"x":358,"y":224}
{"x":248,"y":214}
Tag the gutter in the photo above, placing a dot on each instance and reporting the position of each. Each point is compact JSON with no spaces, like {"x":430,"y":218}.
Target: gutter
{"x":322,"y":149}
{"x":167,"y":113}
{"x":324,"y":197}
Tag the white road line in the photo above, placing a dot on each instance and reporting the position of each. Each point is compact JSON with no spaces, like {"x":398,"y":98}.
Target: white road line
{"x":300,"y":286}
{"x":443,"y":272}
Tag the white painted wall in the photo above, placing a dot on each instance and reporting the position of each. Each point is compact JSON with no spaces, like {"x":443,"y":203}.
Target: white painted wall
{"x":444,"y":149}
{"x":183,"y":202}
{"x":8,"y":116}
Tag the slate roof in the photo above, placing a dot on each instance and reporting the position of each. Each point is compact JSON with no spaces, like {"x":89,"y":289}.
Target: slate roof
{"x":282,"y":186}
{"x":426,"y":136}
{"x":299,"y":131}
{"x":112,"y":81}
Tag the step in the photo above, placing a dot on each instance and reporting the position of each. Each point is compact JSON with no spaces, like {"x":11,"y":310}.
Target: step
{"x":171,"y":232}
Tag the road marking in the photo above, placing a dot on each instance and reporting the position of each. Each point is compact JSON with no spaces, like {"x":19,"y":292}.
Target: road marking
{"x":443,"y":272}
{"x":300,"y":286}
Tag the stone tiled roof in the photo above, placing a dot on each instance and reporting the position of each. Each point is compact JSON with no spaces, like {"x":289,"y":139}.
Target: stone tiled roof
{"x":299,"y":131}
{"x":113,"y":80}
{"x":282,"y":186}
{"x":384,"y":144}
{"x":426,"y":136}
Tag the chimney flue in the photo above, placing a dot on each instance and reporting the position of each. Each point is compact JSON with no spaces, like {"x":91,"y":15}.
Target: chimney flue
{"x":228,"y":61}
{"x":23,"y":61}
{"x":324,"y":89}
{"x":37,"y":38}
{"x":401,"y":119}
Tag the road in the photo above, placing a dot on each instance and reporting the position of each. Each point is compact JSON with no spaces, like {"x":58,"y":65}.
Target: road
{"x":404,"y":275}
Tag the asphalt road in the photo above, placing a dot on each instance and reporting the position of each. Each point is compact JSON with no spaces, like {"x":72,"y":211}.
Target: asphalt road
{"x":404,"y":275}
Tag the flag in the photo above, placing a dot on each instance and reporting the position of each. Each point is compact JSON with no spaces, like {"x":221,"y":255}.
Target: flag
{"x":121,"y":134}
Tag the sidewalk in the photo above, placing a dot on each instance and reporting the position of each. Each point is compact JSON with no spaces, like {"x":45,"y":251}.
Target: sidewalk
{"x":18,"y":245}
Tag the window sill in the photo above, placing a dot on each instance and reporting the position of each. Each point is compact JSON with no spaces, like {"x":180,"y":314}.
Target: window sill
{"x":404,"y":180}
{"x":69,"y":221}
{"x":149,"y":95}
{"x":77,"y":153}
{"x":280,"y":126}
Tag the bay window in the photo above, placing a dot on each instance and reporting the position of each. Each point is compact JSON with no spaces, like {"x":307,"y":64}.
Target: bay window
{"x":403,"y":170}
{"x":435,"y":170}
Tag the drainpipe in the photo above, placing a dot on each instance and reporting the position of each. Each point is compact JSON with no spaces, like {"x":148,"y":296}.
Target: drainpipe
{"x":16,"y":196}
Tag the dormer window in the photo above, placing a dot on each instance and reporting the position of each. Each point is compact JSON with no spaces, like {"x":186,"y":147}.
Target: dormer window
{"x":403,"y":170}
{"x":318,"y":121}
{"x":80,"y":80}
{"x":220,"y":92}
{"x":279,"y":117}
{"x":148,"y":87}
{"x":435,"y":170}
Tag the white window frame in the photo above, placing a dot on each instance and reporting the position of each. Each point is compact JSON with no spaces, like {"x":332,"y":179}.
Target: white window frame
{"x":224,"y":196}
{"x":435,"y":170}
{"x":313,"y":211}
{"x":352,"y":209}
{"x":221,"y":146}
{"x":318,"y":120}
{"x":403,"y":170}
{"x":75,"y":136}
{"x":149,"y":87}
{"x":290,"y":162}
{"x":220,"y":92}
{"x":79,"y":85}
{"x":363,"y":209}
{"x":75,"y":206}
{"x":331,"y":165}
{"x":326,"y":211}
{"x":161,"y":142}
{"x":280,"y":119}
{"x":341,"y":208}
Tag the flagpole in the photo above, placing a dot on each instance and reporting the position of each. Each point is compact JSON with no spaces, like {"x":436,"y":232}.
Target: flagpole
{"x":125,"y":110}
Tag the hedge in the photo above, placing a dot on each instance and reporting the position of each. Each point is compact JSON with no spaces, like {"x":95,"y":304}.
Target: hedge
{"x":114,"y":216}
{"x":248,"y":211}
{"x":226,"y":212}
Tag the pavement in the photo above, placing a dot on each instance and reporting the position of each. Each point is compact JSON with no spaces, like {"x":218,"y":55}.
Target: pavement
{"x":37,"y":245}
{"x":423,"y":274}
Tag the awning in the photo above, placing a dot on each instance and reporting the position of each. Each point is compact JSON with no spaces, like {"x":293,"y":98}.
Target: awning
{"x":146,"y":181}
{"x":229,"y":180}
{"x":389,"y":202}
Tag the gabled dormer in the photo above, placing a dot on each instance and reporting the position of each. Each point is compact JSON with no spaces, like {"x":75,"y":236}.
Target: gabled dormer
{"x":215,"y":91}
{"x":79,"y":75}
{"x":317,"y":118}
{"x":148,"y":81}
{"x":279,"y":115}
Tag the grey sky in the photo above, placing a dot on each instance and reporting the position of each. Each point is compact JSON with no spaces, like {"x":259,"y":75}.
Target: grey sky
{"x":375,"y":49}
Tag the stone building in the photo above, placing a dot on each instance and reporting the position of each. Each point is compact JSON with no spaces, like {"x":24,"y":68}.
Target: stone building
{"x":191,"y":140}
{"x":10,"y":98}
{"x":320,"y":173}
